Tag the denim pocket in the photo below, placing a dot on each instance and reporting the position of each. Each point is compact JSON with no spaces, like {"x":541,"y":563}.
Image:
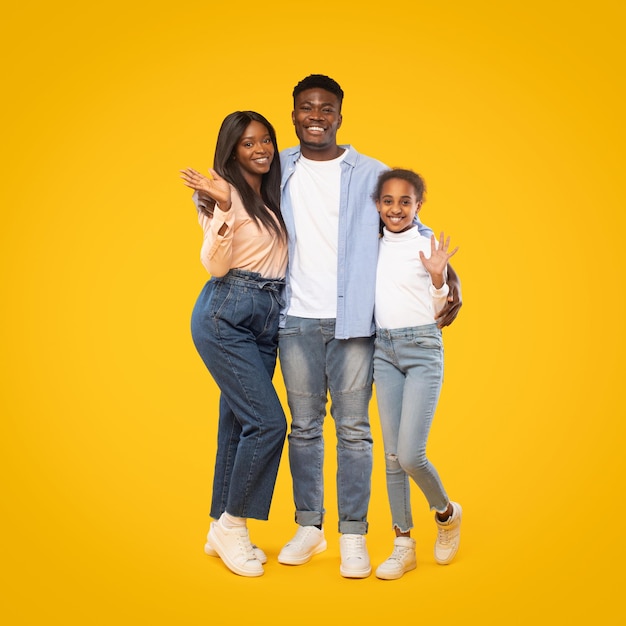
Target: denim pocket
{"x":220,"y":300}
{"x":429,"y":342}
{"x":292,"y":331}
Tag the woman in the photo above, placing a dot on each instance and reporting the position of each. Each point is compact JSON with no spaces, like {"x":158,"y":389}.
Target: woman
{"x":234,"y":327}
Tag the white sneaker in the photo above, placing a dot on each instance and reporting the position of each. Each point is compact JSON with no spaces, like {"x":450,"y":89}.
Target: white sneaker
{"x":234,"y":548}
{"x":402,"y":559}
{"x":448,"y":535}
{"x":258,"y":553}
{"x":355,"y":561}
{"x":308,"y":541}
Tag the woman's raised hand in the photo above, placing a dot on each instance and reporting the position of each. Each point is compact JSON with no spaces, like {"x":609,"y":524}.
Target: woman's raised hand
{"x":216,"y":187}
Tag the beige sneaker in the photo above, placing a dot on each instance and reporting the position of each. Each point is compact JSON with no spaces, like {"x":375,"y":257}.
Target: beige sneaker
{"x":234,"y":548}
{"x":402,"y":560}
{"x":448,"y":535}
{"x":211,"y":551}
{"x":308,"y":541}
{"x":355,"y":561}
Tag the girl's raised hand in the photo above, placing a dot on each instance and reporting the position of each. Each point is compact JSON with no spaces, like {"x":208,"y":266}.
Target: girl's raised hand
{"x":439,"y":257}
{"x":216,"y":187}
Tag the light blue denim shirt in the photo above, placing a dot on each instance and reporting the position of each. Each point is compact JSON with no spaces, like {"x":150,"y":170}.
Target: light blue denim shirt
{"x":357,"y":243}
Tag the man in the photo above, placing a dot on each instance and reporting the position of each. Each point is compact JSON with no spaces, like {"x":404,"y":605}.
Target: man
{"x":326,"y":340}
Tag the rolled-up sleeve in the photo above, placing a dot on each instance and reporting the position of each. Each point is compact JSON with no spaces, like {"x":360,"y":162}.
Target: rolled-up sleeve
{"x":439,"y":296}
{"x":217,"y":250}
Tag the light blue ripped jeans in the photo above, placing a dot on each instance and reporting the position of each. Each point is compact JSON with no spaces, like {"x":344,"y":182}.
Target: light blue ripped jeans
{"x":408,"y":373}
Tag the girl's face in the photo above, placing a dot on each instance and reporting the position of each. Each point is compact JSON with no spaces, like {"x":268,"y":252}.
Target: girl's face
{"x":398,"y":205}
{"x":254,"y":151}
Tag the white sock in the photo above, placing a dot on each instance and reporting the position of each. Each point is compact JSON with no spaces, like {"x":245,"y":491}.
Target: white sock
{"x":229,"y":521}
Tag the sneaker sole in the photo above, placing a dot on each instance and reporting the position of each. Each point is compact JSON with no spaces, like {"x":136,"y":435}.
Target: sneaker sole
{"x":346,"y":573}
{"x":391,"y":576}
{"x":233,"y":567}
{"x":211,"y":551}
{"x":301,"y":560}
{"x":449,"y":559}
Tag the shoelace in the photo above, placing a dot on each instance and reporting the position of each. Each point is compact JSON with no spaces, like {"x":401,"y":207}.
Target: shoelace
{"x":301,"y":536}
{"x":444,"y":535}
{"x":354,"y":546}
{"x":398,"y":553}
{"x":245,"y":546}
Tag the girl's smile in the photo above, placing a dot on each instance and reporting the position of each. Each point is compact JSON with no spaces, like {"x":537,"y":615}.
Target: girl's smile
{"x":398,"y":205}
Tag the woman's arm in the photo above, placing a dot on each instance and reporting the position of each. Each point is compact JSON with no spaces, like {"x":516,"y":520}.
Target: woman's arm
{"x":216,"y":188}
{"x":217,"y":221}
{"x":217,"y":248}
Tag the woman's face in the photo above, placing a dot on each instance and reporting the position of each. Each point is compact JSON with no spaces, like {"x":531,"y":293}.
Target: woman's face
{"x":254,"y":151}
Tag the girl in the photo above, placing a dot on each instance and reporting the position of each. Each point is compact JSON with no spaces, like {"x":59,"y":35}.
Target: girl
{"x":234,"y":326}
{"x":411,"y":289}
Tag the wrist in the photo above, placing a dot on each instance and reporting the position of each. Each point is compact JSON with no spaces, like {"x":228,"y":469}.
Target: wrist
{"x":437,"y":280}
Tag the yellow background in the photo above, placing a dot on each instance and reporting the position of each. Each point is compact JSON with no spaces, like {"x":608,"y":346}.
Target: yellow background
{"x":514,"y":114}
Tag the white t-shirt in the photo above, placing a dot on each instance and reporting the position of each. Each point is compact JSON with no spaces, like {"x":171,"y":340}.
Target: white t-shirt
{"x":315,"y":191}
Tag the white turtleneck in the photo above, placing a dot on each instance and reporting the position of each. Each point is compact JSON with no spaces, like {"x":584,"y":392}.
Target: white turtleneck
{"x":405,"y":294}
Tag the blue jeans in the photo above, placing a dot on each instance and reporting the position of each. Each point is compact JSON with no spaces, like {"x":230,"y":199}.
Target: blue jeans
{"x":408,"y":373}
{"x":234,"y":326}
{"x":313,"y":363}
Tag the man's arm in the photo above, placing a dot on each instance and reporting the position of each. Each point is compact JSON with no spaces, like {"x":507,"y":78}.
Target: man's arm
{"x":448,"y":314}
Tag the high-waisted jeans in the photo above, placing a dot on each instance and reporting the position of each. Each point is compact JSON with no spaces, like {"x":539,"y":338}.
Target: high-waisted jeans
{"x":234,"y":326}
{"x":408,"y":373}
{"x":313,"y":363}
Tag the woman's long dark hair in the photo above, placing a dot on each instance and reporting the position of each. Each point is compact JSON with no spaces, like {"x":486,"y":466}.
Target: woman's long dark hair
{"x":232,"y":129}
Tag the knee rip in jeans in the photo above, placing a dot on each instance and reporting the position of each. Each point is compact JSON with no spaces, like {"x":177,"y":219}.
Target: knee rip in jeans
{"x":392,"y":463}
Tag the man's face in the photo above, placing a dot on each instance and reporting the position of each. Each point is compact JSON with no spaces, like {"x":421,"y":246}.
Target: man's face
{"x":317,"y":117}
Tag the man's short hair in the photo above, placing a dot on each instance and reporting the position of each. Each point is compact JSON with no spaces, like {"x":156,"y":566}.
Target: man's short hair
{"x":318,"y":81}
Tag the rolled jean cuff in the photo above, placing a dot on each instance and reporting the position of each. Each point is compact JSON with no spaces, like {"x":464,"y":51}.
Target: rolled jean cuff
{"x":309,"y":518}
{"x":353,"y":528}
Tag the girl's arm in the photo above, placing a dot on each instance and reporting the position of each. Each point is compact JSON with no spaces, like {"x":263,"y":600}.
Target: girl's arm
{"x":437,"y":267}
{"x":453,"y":304}
{"x":436,"y":264}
